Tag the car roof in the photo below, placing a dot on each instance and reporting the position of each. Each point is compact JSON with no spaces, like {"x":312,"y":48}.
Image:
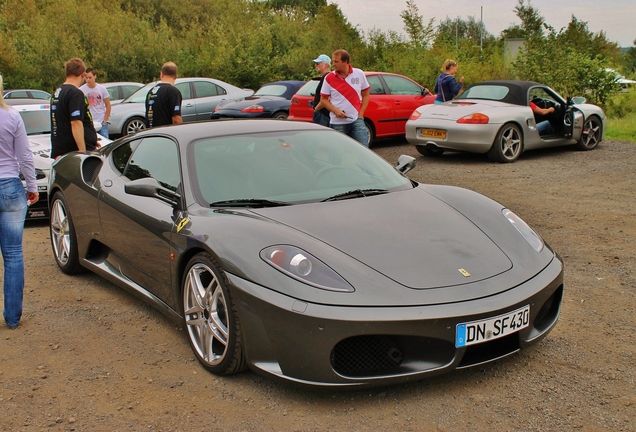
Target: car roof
{"x":116,"y":83}
{"x":283,"y":82}
{"x":517,"y":90}
{"x":23,"y":89}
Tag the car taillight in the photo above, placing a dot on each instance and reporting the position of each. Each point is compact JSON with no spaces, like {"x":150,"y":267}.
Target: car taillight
{"x":416,"y":114}
{"x":253,"y":109}
{"x":476,"y":118}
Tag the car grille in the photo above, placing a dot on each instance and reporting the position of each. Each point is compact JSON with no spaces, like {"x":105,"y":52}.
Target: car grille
{"x":367,"y":355}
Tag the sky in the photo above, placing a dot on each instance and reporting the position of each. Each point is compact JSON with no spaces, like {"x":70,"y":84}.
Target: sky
{"x":617,"y":18}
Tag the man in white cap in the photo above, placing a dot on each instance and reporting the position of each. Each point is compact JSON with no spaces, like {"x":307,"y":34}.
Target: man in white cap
{"x":323,"y":67}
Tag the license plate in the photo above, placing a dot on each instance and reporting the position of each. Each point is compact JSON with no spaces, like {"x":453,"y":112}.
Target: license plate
{"x":492,"y":328}
{"x":432,"y":133}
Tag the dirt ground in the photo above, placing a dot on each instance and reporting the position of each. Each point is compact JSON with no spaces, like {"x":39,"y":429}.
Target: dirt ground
{"x":90,"y":357}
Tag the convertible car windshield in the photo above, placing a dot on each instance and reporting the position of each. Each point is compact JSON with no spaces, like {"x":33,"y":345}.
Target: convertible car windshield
{"x":289,"y":167}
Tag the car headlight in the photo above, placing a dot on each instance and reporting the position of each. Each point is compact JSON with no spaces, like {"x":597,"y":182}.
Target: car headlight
{"x":528,"y":233}
{"x":302,"y":266}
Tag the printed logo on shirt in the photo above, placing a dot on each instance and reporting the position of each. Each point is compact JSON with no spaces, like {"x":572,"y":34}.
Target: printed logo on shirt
{"x":177,"y":108}
{"x":76,"y":113}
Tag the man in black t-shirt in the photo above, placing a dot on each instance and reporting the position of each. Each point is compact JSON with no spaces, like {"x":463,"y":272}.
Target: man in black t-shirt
{"x":71,"y":121}
{"x":163,"y":102}
{"x":323,"y":67}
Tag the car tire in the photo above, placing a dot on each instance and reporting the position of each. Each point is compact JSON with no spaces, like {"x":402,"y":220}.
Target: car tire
{"x":63,"y":239}
{"x":133,"y":125}
{"x":591,"y":135}
{"x":280,"y":115}
{"x":429,"y":151}
{"x":508,"y":144}
{"x":210,"y":317}
{"x":370,"y":132}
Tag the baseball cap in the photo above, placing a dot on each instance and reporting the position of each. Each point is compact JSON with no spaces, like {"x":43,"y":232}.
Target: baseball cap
{"x":322,"y":58}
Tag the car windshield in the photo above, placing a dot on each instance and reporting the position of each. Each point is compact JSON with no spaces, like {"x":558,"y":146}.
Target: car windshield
{"x":489,"y":92}
{"x":36,"y":121}
{"x":309,"y":89}
{"x":289,"y":167}
{"x":140,"y":95}
{"x":271,"y":90}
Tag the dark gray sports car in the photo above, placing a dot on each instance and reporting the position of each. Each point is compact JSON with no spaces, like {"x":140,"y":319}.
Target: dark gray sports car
{"x":295,"y":251}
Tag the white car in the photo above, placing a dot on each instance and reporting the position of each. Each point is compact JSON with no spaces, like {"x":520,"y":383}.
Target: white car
{"x":37,"y":121}
{"x":200,"y":97}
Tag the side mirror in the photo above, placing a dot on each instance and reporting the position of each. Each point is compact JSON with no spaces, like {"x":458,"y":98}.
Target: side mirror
{"x":405,"y":163}
{"x":149,"y":187}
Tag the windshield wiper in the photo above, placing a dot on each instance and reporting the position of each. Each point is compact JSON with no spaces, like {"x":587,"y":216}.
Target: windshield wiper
{"x":356,"y":193}
{"x":249,"y":202}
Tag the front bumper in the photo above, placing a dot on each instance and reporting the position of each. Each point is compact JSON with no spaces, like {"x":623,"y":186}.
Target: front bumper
{"x":322,"y":345}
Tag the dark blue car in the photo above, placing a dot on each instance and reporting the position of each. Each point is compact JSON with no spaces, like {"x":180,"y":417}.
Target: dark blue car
{"x":272,"y":100}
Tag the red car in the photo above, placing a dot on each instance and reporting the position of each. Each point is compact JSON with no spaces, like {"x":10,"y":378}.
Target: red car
{"x":393,"y":98}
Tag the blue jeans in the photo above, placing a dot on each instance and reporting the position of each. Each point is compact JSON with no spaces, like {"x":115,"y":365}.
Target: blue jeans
{"x":544,"y":127}
{"x":356,"y":130}
{"x":104,"y":131}
{"x":321,"y":119}
{"x":13,"y":207}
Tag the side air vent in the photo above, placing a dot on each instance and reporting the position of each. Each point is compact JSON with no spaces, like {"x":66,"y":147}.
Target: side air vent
{"x":90,"y":168}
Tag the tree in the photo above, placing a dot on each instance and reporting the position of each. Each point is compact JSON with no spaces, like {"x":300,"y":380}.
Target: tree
{"x":471,"y":30}
{"x":532,"y":23}
{"x":419,"y":33}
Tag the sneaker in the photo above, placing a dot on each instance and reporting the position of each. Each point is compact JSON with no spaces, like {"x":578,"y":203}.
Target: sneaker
{"x":13,"y":327}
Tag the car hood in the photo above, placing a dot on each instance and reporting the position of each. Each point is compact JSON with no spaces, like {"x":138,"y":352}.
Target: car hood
{"x":41,"y":149}
{"x":415,"y":239}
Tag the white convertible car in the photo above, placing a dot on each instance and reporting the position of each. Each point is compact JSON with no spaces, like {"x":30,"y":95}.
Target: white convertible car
{"x":37,"y":121}
{"x":495,"y":117}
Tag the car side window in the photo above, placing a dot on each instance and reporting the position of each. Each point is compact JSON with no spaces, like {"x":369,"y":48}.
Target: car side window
{"x":376,"y":85}
{"x":17,"y":95}
{"x":400,"y":86}
{"x":113,"y":93}
{"x":184,"y":88}
{"x":206,"y":89}
{"x":40,"y":95}
{"x":155,"y":157}
{"x":122,"y":153}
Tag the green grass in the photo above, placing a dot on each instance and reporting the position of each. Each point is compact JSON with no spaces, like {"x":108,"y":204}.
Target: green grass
{"x":621,"y":117}
{"x":623,"y":128}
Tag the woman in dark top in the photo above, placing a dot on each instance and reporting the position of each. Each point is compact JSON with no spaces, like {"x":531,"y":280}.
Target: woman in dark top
{"x":446,"y":86}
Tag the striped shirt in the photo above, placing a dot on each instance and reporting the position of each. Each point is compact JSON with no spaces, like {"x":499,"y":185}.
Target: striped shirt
{"x":345,"y":93}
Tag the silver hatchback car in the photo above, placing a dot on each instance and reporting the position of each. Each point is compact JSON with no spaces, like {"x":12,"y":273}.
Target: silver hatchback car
{"x":200,"y":97}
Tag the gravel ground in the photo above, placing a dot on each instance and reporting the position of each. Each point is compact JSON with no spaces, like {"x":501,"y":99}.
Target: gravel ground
{"x":90,"y":357}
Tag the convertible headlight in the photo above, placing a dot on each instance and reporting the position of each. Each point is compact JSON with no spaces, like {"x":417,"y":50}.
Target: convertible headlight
{"x":528,"y":233}
{"x":302,"y":266}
